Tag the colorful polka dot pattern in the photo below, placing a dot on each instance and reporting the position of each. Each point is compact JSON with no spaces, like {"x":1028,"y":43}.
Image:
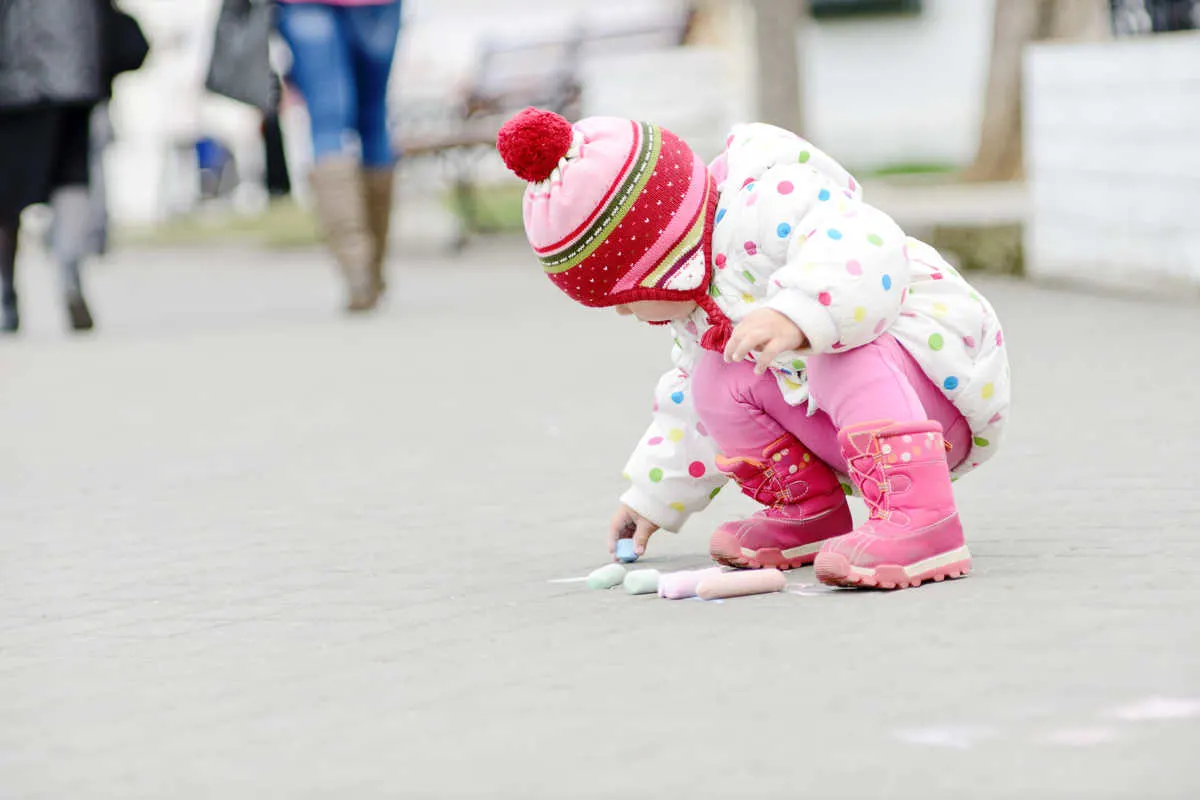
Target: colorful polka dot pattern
{"x":862,"y":271}
{"x":912,"y":447}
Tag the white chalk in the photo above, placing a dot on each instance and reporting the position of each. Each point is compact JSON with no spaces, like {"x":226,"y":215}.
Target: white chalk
{"x":606,"y":577}
{"x":642,"y":581}
{"x":738,"y":584}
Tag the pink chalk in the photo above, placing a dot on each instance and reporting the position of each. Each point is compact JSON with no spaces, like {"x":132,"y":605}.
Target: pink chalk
{"x":680,"y":585}
{"x":737,"y":584}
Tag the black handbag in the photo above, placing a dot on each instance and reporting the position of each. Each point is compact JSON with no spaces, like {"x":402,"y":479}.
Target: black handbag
{"x":240,"y":67}
{"x":125,"y":44}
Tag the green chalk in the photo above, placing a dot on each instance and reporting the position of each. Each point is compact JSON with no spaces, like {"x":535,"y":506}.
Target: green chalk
{"x":642,"y":581}
{"x":606,"y":577}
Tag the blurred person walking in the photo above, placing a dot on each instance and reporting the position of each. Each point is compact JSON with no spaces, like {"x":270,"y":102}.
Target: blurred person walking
{"x":342,"y":53}
{"x":58,"y":59}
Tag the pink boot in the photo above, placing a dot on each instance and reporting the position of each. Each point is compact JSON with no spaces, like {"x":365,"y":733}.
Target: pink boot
{"x":913,"y":534}
{"x":806,"y":506}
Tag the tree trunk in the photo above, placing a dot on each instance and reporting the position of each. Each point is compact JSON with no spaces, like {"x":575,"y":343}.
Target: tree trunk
{"x":999,"y":155}
{"x":1017,"y":23}
{"x":1077,"y":20}
{"x":777,"y":68}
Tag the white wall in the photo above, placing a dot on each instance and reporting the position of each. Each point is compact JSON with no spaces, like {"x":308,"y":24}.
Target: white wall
{"x":442,"y":35}
{"x":879,"y":90}
{"x":883,"y":90}
{"x":1113,"y":158}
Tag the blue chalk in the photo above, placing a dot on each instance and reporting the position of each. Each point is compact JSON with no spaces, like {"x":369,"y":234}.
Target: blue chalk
{"x":625,"y":551}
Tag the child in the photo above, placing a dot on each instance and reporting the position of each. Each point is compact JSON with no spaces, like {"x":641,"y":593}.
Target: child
{"x":812,"y":339}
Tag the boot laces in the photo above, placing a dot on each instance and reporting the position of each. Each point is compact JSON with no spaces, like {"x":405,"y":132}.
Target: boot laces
{"x":772,"y":486}
{"x":863,"y":470}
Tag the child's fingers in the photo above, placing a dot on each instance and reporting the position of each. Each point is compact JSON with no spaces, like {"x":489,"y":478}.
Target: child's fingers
{"x":731,"y":346}
{"x":770,"y":351}
{"x":645,"y":528}
{"x":618,"y":525}
{"x":742,"y":343}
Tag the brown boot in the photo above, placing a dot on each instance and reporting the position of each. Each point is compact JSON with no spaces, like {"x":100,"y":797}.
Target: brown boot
{"x":377,"y":184}
{"x":337,"y":187}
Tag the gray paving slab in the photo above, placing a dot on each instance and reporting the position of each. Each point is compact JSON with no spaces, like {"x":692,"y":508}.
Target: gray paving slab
{"x":251,"y":549}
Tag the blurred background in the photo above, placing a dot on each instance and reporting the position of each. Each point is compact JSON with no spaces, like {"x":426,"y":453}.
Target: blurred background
{"x":250,"y":547}
{"x":987,"y":126}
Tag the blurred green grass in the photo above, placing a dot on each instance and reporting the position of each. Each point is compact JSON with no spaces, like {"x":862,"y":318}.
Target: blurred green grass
{"x":282,"y":225}
{"x":911,"y":169}
{"x":498,"y":206}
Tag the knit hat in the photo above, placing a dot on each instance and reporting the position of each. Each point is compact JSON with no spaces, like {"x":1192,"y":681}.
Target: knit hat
{"x":616,"y":210}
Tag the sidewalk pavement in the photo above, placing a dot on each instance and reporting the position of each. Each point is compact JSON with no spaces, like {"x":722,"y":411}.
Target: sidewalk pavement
{"x":251,"y":549}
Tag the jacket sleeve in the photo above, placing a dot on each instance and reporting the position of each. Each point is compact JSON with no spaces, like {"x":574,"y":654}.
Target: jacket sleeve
{"x":846,"y":270}
{"x":672,"y":471}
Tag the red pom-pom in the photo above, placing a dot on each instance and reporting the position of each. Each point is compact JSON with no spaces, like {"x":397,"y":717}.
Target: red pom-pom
{"x":533,"y":142}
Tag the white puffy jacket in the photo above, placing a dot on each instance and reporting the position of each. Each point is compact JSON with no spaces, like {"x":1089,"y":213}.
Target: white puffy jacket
{"x":794,"y":234}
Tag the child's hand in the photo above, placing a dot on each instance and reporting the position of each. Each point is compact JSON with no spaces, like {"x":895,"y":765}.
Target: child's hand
{"x":766,"y":332}
{"x":627,"y":523}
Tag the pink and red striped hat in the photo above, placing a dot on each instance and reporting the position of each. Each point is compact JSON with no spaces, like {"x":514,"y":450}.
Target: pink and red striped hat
{"x":616,"y":210}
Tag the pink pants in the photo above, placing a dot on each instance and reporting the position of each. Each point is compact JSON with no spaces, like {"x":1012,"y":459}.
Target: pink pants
{"x":745,"y":412}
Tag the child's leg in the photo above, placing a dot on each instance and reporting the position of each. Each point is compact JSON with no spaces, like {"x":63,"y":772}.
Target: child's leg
{"x":893,"y":429}
{"x":742,"y":413}
{"x":881,"y":381}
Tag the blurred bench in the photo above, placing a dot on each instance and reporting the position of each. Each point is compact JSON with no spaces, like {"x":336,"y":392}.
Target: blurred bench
{"x":509,"y":75}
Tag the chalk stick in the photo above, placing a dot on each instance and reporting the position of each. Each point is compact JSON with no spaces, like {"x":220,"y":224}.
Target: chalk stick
{"x":737,"y":584}
{"x":606,"y":577}
{"x":642,"y":581}
{"x":679,"y":585}
{"x":625,"y":551}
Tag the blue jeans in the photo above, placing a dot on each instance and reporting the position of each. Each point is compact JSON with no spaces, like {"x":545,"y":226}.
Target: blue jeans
{"x":342,"y":56}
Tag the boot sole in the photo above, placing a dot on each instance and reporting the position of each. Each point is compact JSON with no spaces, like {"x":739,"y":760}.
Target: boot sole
{"x":726,"y":549}
{"x":836,"y":570}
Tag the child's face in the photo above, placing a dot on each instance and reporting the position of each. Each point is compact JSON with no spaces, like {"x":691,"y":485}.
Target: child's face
{"x":657,"y":311}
